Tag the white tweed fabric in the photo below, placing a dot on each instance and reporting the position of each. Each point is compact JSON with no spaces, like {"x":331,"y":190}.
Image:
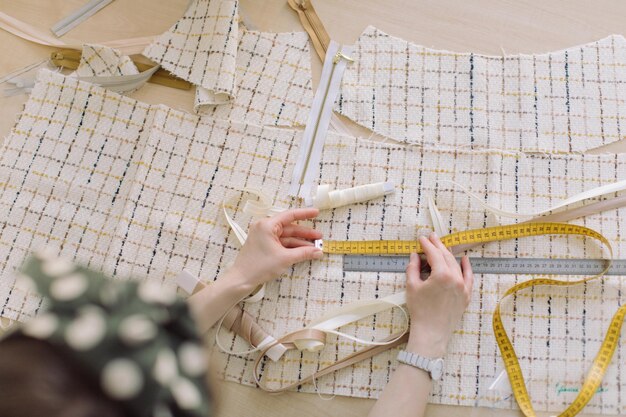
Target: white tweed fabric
{"x":103,"y":61}
{"x":273,"y":81}
{"x":565,"y":101}
{"x":136,"y":189}
{"x":201,"y":47}
{"x":249,"y":76}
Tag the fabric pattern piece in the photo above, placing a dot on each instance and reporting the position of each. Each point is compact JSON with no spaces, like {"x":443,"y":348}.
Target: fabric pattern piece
{"x":102,"y":61}
{"x":565,"y":101}
{"x":273,"y":81}
{"x":201,"y":47}
{"x":136,"y":342}
{"x":135,"y":190}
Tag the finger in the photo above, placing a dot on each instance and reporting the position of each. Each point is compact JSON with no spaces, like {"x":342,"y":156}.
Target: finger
{"x":468,"y":274}
{"x":448,"y":256}
{"x":434,"y":256}
{"x":303,"y":232}
{"x":290,"y":216}
{"x":304,"y":253}
{"x":294,"y":242}
{"x":413,"y":271}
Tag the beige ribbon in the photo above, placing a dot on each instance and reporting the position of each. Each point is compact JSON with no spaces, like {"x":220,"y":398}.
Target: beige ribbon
{"x":436,"y":218}
{"x":256,"y":208}
{"x":585,"y":195}
{"x":237,"y":321}
{"x":347,"y":314}
{"x":564,"y":216}
{"x":288,"y":342}
{"x":32,"y":34}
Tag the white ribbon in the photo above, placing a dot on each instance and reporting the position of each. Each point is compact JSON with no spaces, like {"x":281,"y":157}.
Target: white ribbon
{"x":256,"y":208}
{"x":350,"y":313}
{"x":32,"y":34}
{"x":436,"y":218}
{"x":585,"y":195}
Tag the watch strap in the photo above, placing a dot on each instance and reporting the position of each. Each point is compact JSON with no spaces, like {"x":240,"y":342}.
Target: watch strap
{"x":420,"y":362}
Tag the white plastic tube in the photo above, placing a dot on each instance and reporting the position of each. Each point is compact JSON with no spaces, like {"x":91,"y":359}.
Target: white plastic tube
{"x":326,"y":198}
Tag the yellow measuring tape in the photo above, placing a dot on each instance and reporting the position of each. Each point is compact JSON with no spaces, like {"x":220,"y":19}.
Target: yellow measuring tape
{"x":491,"y":234}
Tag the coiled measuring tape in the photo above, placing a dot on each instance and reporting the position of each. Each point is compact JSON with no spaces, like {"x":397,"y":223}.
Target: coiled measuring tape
{"x":491,"y":234}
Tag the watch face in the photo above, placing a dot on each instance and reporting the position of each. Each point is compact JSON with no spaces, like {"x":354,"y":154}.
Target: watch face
{"x":437,"y":369}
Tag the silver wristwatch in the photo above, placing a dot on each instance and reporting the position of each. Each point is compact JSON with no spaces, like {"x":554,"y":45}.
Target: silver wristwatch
{"x":434,"y":367}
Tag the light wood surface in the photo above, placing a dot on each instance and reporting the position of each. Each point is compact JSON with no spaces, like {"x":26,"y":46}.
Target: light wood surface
{"x":482,"y":26}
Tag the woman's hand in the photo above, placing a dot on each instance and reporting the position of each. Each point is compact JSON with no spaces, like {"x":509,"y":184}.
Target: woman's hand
{"x":274,"y":244}
{"x":436,"y":304}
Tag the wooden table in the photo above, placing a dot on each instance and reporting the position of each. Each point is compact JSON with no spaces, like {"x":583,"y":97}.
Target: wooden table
{"x":482,"y":26}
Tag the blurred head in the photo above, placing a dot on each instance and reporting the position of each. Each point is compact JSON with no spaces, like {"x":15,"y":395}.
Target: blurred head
{"x":37,"y":380}
{"x":101,"y":348}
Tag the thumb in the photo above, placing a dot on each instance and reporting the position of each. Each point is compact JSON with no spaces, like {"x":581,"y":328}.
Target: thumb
{"x":304,"y":253}
{"x":413,"y":278}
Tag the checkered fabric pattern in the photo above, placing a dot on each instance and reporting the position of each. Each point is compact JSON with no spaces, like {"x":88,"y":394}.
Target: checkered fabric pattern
{"x":253,"y":77}
{"x":202,"y":47}
{"x":135,"y":190}
{"x":565,"y":101}
{"x":273,"y":81}
{"x":102,"y":61}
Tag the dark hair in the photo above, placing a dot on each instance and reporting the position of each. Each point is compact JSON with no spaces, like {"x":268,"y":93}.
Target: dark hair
{"x":37,"y":380}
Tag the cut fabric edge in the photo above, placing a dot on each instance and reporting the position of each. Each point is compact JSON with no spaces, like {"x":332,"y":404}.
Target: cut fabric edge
{"x":205,"y":99}
{"x":373,"y":29}
{"x":208,"y":98}
{"x":219,"y":94}
{"x":382,"y":36}
{"x":114,"y":61}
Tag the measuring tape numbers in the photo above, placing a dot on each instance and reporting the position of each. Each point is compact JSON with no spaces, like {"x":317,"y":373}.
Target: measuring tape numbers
{"x":597,"y":268}
{"x":489,"y":234}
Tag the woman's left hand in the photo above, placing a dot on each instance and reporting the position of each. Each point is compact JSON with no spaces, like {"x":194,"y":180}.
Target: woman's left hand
{"x":274,"y":244}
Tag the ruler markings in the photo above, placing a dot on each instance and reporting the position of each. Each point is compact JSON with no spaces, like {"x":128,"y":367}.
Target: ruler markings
{"x":530,"y":266}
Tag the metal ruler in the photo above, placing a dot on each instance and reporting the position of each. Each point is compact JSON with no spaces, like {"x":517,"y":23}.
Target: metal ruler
{"x":530,"y":266}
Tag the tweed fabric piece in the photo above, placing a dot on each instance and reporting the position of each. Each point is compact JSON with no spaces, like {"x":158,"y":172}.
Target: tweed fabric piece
{"x":201,"y":47}
{"x":273,"y":81}
{"x":102,"y":61}
{"x":566,"y":101}
{"x":136,"y":190}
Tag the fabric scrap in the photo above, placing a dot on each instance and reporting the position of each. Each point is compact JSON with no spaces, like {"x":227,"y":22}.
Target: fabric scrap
{"x":103,"y":61}
{"x":564,"y":101}
{"x":201,"y":47}
{"x":273,"y":81}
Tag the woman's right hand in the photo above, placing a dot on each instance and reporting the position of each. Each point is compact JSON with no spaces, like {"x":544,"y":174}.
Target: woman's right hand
{"x":436,"y":304}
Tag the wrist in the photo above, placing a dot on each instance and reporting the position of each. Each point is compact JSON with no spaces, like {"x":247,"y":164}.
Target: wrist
{"x":427,"y":343}
{"x":237,"y":282}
